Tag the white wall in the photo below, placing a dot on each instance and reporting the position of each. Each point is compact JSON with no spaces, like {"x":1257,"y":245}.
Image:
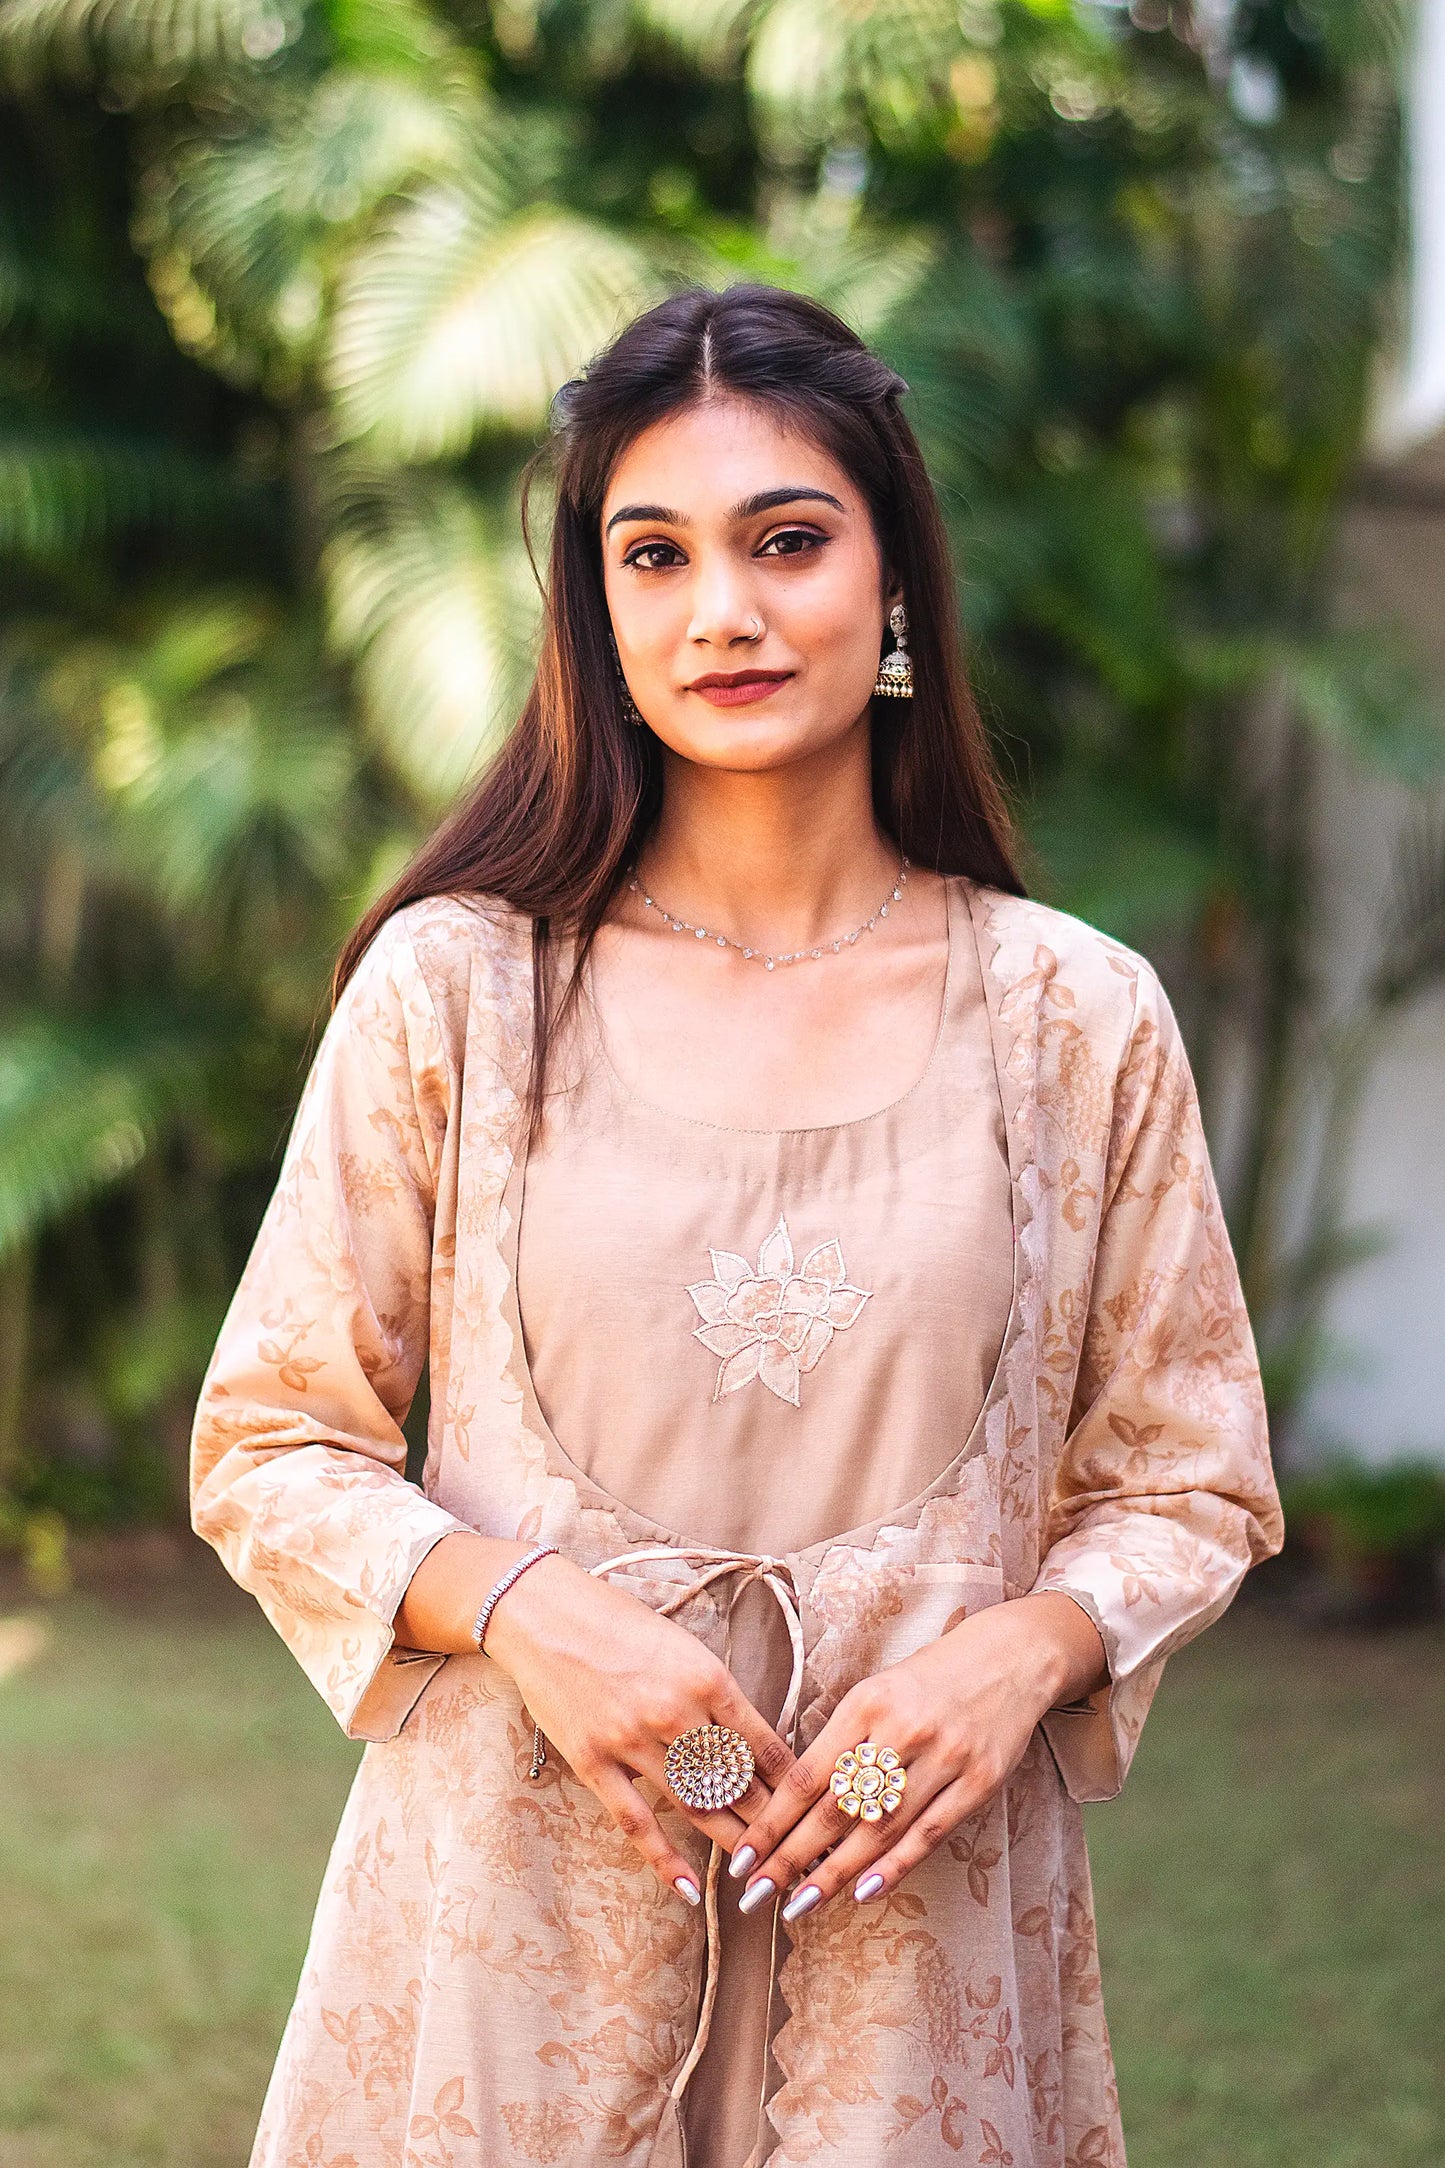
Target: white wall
{"x":1411,"y":406}
{"x":1384,"y":1394}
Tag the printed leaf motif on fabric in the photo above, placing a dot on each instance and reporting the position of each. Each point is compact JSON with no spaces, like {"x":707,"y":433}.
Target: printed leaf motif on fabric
{"x":773,"y":1321}
{"x":428,"y":2136}
{"x":951,"y":2111}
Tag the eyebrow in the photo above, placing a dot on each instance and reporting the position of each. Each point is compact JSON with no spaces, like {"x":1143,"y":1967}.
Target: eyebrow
{"x":764,"y":500}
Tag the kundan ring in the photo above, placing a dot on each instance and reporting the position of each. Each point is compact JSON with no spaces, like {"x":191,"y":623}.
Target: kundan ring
{"x":709,"y":1767}
{"x":868,"y":1781}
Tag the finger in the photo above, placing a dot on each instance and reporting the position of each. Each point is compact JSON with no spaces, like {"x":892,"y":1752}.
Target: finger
{"x":822,"y":1826}
{"x":726,"y":1826}
{"x":802,"y":1786}
{"x":734,"y":1822}
{"x":727,"y":1705}
{"x":939,"y":1803}
{"x":772,"y":1756}
{"x":951,"y":1804}
{"x":754,"y":1799}
{"x":827,"y":1834}
{"x":637,"y":1822}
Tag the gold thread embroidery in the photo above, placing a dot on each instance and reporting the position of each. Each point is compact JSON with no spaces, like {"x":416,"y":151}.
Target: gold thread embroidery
{"x":773,"y":1323}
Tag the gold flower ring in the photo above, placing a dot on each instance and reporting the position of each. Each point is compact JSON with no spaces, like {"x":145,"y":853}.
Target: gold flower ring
{"x":709,"y":1767}
{"x":868,"y":1781}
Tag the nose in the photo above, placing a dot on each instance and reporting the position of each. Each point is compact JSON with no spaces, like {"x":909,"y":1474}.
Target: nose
{"x":723,"y":609}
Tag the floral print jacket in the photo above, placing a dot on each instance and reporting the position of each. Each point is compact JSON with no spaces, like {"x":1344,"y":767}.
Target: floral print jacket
{"x":493,"y":1974}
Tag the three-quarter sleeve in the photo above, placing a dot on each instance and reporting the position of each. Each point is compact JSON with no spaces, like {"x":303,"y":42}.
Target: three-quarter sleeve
{"x":1163,"y":1495}
{"x":297,"y":1457}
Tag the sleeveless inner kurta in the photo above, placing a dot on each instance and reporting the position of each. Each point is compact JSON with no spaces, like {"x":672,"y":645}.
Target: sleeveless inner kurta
{"x":762,"y":1339}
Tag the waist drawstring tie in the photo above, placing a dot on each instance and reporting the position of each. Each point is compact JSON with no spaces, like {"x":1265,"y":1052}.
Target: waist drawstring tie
{"x":748,"y":1566}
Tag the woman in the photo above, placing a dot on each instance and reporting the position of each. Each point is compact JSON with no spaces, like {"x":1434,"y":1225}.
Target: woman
{"x":708,"y":1096}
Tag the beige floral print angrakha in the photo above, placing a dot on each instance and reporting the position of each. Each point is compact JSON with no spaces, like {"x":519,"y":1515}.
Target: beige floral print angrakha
{"x":493,"y":1974}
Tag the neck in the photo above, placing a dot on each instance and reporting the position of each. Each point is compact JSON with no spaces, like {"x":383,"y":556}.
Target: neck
{"x":781,"y":859}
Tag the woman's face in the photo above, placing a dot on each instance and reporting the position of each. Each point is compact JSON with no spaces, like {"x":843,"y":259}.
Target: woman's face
{"x":745,"y":585}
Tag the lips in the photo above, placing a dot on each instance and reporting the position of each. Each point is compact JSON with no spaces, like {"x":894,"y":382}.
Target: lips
{"x":745,"y":685}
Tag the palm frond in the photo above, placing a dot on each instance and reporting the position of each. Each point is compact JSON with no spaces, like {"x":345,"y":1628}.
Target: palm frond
{"x":709,"y":33}
{"x":146,"y":40}
{"x":1299,"y":320}
{"x":393,"y":34}
{"x":798,"y":71}
{"x":187,"y":643}
{"x":1363,"y":34}
{"x":816,"y":69}
{"x":246,"y":813}
{"x":66,"y":490}
{"x":462,"y":315}
{"x":81,"y":1099}
{"x":244,"y":229}
{"x":967,"y":345}
{"x":232,"y":770}
{"x":869,"y":273}
{"x":1363,"y":690}
{"x":435,"y":603}
{"x":52,"y":814}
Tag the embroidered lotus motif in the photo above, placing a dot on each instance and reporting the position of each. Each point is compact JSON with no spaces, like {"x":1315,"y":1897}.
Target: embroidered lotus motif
{"x":770,"y":1321}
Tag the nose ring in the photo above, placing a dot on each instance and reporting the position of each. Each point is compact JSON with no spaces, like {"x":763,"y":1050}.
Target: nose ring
{"x":758,"y":632}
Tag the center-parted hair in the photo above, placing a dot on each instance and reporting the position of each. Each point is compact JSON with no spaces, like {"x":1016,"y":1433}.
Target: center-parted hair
{"x":564,"y":807}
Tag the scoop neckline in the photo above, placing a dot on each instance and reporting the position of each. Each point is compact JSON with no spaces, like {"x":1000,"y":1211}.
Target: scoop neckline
{"x":654,"y":1108}
{"x":593,"y":1498}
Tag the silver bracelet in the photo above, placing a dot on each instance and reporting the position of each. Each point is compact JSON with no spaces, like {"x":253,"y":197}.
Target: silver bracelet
{"x":479,"y":1624}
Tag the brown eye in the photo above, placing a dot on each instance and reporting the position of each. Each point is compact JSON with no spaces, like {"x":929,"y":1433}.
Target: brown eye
{"x":646,"y":554}
{"x":792,"y":542}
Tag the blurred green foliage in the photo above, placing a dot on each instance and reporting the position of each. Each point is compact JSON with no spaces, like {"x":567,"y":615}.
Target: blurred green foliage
{"x":1367,"y":1543}
{"x":286,"y":286}
{"x":1366,"y":1512}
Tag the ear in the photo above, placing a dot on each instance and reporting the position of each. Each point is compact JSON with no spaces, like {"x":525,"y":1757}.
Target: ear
{"x":893,"y":593}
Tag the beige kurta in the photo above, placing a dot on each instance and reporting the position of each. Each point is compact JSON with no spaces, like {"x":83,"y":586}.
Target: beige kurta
{"x":493,"y":1974}
{"x":763,"y":1339}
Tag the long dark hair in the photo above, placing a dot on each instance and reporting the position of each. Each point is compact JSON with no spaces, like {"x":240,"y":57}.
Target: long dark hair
{"x":564,"y":807}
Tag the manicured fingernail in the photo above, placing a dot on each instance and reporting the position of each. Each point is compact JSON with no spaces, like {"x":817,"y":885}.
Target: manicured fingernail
{"x":743,"y":1858}
{"x":802,"y":1900}
{"x":869,"y":1886}
{"x":758,"y":1894}
{"x":689,"y":1889}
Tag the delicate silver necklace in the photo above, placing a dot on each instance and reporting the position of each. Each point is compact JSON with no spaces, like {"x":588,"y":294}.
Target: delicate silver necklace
{"x":761,"y":956}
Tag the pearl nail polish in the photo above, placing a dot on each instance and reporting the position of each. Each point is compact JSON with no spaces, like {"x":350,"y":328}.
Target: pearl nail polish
{"x":869,"y":1886}
{"x":757,"y":1895}
{"x":689,"y":1889}
{"x":743,"y":1858}
{"x":802,"y":1900}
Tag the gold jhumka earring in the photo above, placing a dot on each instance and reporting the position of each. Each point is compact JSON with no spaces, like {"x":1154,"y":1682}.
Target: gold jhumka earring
{"x":895,"y":672}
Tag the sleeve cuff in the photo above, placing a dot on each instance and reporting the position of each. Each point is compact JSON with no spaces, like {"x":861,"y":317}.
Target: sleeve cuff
{"x":398,"y":1676}
{"x":1084,"y":1736}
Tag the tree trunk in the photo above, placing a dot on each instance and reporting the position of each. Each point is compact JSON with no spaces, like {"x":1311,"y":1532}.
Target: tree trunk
{"x":16,"y":1275}
{"x":1267,"y":1160}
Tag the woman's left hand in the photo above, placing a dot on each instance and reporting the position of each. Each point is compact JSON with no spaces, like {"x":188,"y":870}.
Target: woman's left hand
{"x":960,"y":1714}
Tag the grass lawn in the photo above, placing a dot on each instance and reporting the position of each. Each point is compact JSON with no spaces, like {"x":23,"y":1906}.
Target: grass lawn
{"x":1271,"y":1889}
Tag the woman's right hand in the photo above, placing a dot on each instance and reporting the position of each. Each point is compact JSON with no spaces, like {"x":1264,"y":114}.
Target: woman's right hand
{"x":612,"y":1685}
